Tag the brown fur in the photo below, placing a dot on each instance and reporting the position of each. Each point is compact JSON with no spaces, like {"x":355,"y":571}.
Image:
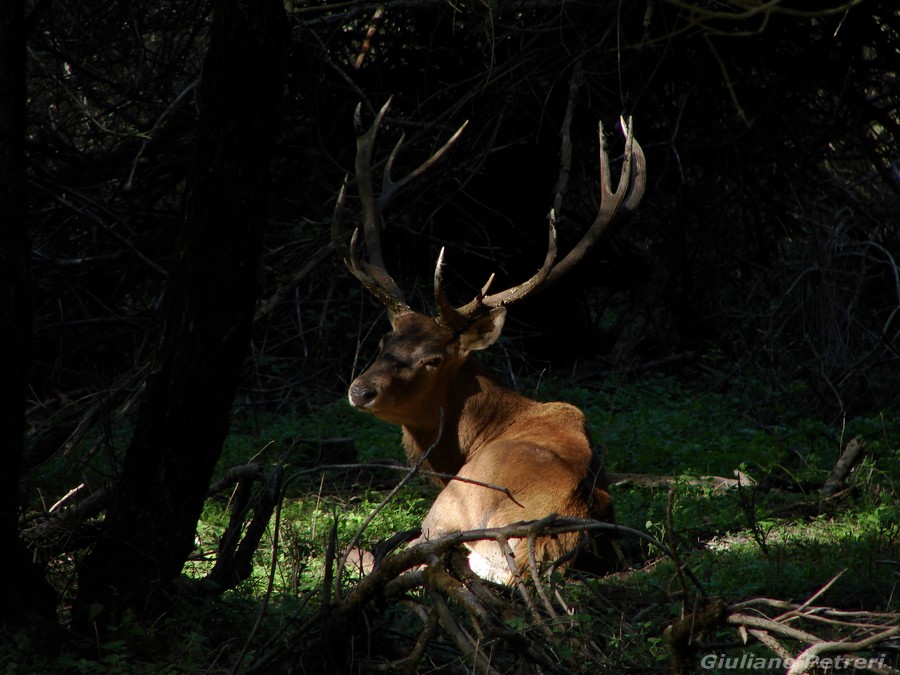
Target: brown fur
{"x":540,"y":452}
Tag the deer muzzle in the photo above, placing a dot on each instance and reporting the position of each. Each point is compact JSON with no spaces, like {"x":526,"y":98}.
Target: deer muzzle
{"x":361,"y":395}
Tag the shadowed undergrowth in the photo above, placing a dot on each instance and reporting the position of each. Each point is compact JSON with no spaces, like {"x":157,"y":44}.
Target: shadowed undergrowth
{"x":774,"y":537}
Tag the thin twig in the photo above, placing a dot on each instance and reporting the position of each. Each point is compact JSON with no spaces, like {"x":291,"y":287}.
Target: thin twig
{"x":799,"y":609}
{"x":270,"y":585}
{"x":535,"y":575}
{"x":384,"y":502}
{"x":407,"y":470}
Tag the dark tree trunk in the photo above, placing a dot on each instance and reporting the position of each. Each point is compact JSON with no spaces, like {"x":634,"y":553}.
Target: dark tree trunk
{"x":24,"y":595}
{"x":207,"y":316}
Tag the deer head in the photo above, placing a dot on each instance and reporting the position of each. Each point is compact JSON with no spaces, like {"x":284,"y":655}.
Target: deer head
{"x":420,"y":357}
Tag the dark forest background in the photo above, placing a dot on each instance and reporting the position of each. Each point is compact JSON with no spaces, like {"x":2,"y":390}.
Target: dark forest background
{"x":768,"y":233}
{"x":170,"y":169}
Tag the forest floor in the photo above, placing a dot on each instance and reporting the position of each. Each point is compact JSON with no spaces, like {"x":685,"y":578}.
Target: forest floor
{"x":736,"y":558}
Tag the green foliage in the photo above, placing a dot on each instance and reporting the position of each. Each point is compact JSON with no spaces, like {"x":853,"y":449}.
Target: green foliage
{"x":324,"y":420}
{"x":783,"y":542}
{"x":667,"y":426}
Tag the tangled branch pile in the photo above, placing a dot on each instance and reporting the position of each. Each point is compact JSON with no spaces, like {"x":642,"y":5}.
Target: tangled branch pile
{"x":423,"y":608}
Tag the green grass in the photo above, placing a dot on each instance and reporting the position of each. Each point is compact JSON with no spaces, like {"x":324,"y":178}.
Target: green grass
{"x":251,"y":434}
{"x":780,"y":543}
{"x":784,"y":542}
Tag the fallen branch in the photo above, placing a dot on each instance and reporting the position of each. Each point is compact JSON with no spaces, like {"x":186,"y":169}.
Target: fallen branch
{"x":809,"y":658}
{"x":441,"y":569}
{"x":236,"y":474}
{"x":852,"y":452}
{"x":645,"y":480}
{"x":862,"y":630}
{"x":59,"y":526}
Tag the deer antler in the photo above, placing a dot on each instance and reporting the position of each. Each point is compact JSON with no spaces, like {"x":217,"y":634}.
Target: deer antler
{"x":623,"y":200}
{"x":373,"y":274}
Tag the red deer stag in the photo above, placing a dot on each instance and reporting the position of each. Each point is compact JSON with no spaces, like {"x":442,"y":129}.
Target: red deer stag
{"x":426,"y":380}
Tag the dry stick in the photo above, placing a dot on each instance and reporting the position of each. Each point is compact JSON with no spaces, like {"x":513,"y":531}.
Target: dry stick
{"x":371,"y":32}
{"x":460,"y":637}
{"x":770,"y":602}
{"x":71,"y":493}
{"x":846,"y":461}
{"x":503,"y":543}
{"x":270,"y":655}
{"x":646,"y":480}
{"x":68,"y":518}
{"x":427,"y":553}
{"x":268,"y":306}
{"x":223,"y":571}
{"x":396,"y":564}
{"x":827,"y":615}
{"x":476,"y":585}
{"x":556,"y":564}
{"x":772,"y":627}
{"x":330,"y":552}
{"x":807,"y":658}
{"x":771,"y":643}
{"x":147,"y":136}
{"x":890,"y":616}
{"x":438,"y":579}
{"x":799,"y":609}
{"x":234,"y":475}
{"x":404,"y":583}
{"x":384,"y":502}
{"x":562,"y":602}
{"x":405,"y":469}
{"x":541,"y":591}
{"x":813,"y":615}
{"x":270,"y":585}
{"x":676,"y":558}
{"x":490,"y":486}
{"x":106,"y":227}
{"x":418,"y":651}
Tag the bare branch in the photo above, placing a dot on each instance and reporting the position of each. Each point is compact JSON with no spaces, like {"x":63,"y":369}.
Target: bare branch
{"x":807,"y":658}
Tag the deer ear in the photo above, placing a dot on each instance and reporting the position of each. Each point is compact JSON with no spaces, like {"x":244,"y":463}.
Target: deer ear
{"x":483,"y":332}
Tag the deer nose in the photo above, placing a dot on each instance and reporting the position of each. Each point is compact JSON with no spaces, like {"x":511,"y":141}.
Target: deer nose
{"x":361,"y":395}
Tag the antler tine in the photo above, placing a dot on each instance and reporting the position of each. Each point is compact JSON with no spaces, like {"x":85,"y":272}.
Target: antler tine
{"x":376,"y":279}
{"x":623,"y":200}
{"x":448,"y":315}
{"x":639,"y":185}
{"x":365,"y":145}
{"x":390,"y":187}
{"x":511,"y":295}
{"x":373,"y":273}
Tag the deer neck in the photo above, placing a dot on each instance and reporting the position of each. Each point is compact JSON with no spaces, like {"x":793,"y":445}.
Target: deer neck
{"x":475,"y":409}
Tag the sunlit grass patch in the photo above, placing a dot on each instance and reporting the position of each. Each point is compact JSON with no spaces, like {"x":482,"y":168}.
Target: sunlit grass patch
{"x":775,"y":536}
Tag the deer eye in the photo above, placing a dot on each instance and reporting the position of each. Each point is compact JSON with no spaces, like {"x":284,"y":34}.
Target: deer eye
{"x":433,"y":362}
